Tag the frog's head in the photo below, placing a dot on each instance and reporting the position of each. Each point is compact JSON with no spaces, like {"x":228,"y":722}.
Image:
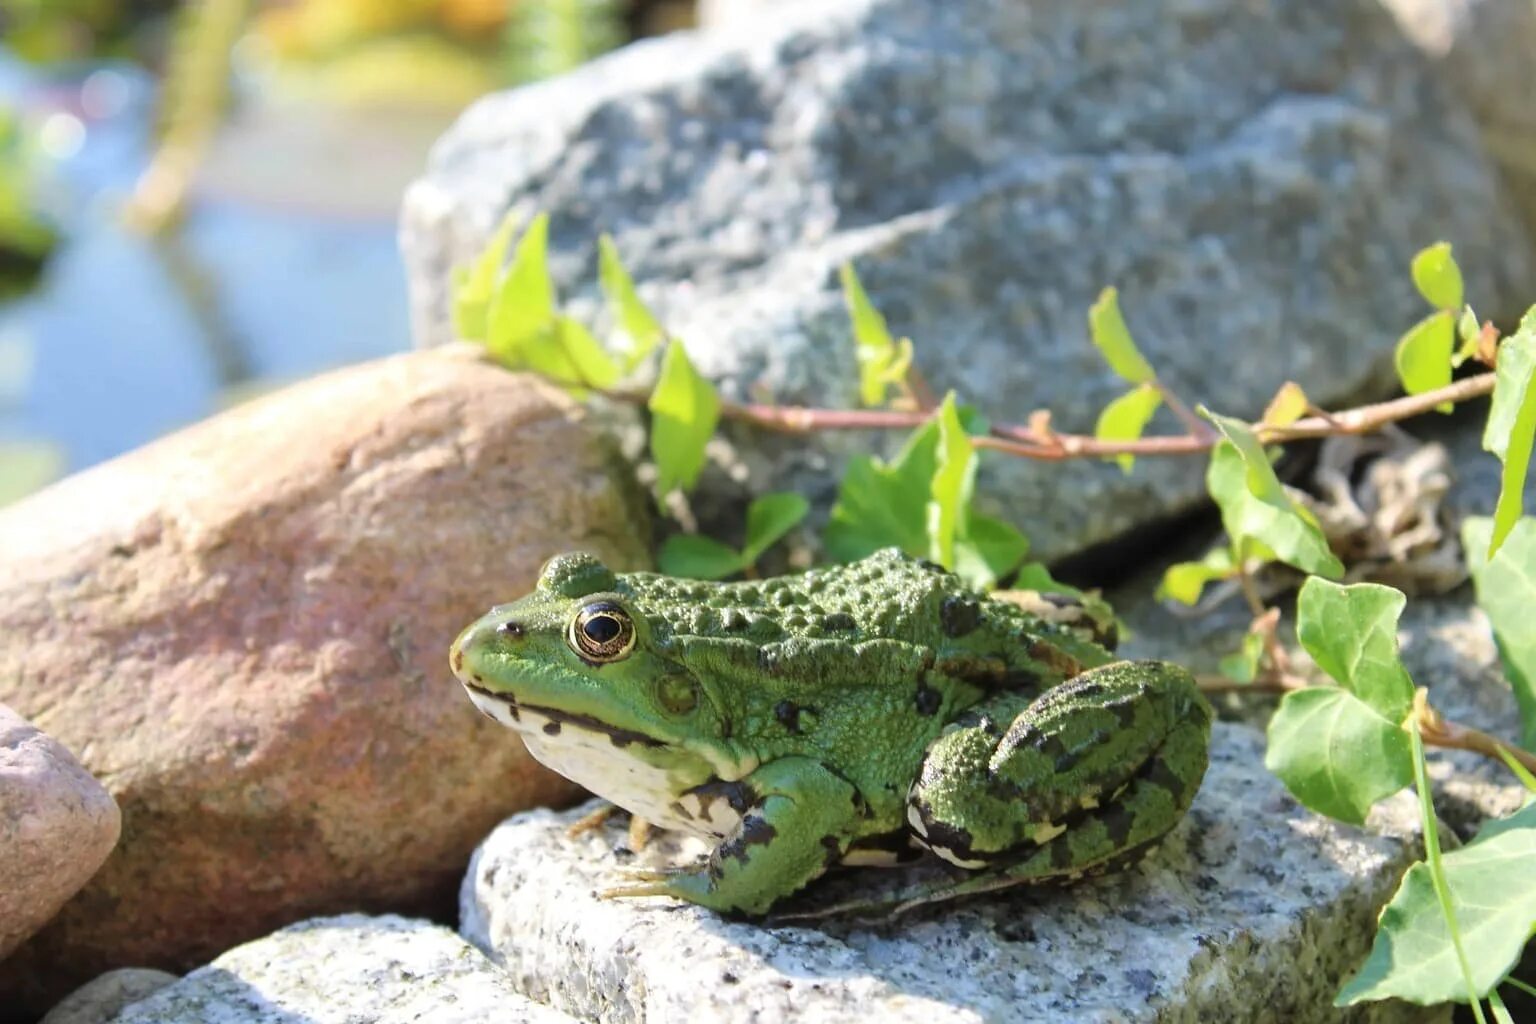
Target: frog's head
{"x":573,"y":667}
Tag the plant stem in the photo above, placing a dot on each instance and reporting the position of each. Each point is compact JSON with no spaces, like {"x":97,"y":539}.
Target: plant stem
{"x":1438,"y":732}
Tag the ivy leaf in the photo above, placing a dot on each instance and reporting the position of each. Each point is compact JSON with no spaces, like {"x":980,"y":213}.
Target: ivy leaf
{"x":953,"y":480}
{"x":684,"y":411}
{"x":1254,"y":504}
{"x":1437,"y":276}
{"x":1493,"y":896}
{"x":1113,"y":339}
{"x":700,"y":558}
{"x":1126,"y":417}
{"x":1289,"y":405}
{"x":1351,"y":632}
{"x":1423,"y":356}
{"x":882,"y":504}
{"x":1035,"y":576}
{"x":882,"y":361}
{"x":635,"y":319}
{"x":474,"y":285}
{"x":522,"y":310}
{"x":769,"y":518}
{"x":1243,"y":664}
{"x":1185,"y":581}
{"x":1506,"y":591}
{"x":1335,"y":753}
{"x":1512,"y":424}
{"x":987,"y":550}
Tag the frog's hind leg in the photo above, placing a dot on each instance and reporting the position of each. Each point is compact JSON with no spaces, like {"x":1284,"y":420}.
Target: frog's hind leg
{"x":1077,"y":782}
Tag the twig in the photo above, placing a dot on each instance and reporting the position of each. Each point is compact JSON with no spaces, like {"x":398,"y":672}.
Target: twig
{"x":1438,"y":732}
{"x":1196,"y":426}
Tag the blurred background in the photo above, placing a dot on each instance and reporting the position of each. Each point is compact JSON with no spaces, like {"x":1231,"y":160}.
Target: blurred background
{"x":198,"y":200}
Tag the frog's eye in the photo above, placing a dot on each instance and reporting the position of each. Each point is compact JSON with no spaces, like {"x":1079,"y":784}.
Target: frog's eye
{"x":602,"y":631}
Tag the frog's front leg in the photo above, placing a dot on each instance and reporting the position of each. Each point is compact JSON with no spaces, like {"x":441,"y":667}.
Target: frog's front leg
{"x":800,"y":821}
{"x":1091,"y":773}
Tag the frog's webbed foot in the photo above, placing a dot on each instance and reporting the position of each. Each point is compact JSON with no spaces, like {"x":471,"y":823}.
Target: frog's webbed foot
{"x":639,"y":829}
{"x":642,"y":882}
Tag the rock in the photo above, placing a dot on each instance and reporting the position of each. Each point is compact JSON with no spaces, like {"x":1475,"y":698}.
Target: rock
{"x":1253,"y":909}
{"x":57,"y":824}
{"x":338,"y":970}
{"x":243,"y":628}
{"x":99,"y":1000}
{"x":1254,"y":177}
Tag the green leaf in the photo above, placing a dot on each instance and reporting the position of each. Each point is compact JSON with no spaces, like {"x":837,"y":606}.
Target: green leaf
{"x":953,"y":479}
{"x":1262,"y":482}
{"x":1351,"y":632}
{"x":1512,"y":424}
{"x":589,"y":363}
{"x":1243,"y":664}
{"x":1035,"y":576}
{"x":769,"y":518}
{"x":882,"y":362}
{"x":635,"y":319}
{"x":1506,"y":591}
{"x":699,"y":558}
{"x":1335,"y":753}
{"x":1423,"y":356}
{"x":1289,"y":405}
{"x":1113,"y":339}
{"x":27,"y":466}
{"x":1493,"y":893}
{"x":1126,"y":417}
{"x":1437,"y":276}
{"x":522,"y":309}
{"x":684,"y":411}
{"x":987,"y":550}
{"x":474,"y":285}
{"x":1273,"y":521}
{"x":882,"y":504}
{"x":1185,"y":581}
{"x":1470,"y":333}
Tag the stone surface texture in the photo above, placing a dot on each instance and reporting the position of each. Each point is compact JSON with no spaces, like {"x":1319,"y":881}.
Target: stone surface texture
{"x":243,"y":630}
{"x":1253,"y":906}
{"x":101,"y":999}
{"x":1253,"y":177}
{"x":344,"y":970}
{"x":57,"y":824}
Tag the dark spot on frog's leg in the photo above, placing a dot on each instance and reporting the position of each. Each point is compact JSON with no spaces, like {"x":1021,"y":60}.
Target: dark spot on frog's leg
{"x":1061,"y":852}
{"x":680,"y":811}
{"x":959,"y":616}
{"x":788,"y":714}
{"x":754,"y":831}
{"x":1118,"y":821}
{"x":928,"y":699}
{"x":1159,"y":774}
{"x":1022,"y":679}
{"x":834,"y":850}
{"x":838,"y":622}
{"x":738,"y":795}
{"x":551,"y":728}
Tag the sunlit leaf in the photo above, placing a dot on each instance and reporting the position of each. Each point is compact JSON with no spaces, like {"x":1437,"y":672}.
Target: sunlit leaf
{"x":1126,"y":417}
{"x":1274,"y":520}
{"x":522,"y":309}
{"x":700,"y":558}
{"x":1289,"y":405}
{"x":1335,"y":753}
{"x":1469,"y":332}
{"x":1035,"y":576}
{"x":594,"y":366}
{"x":1260,"y":474}
{"x":882,"y":362}
{"x":1506,"y":591}
{"x":640,"y":327}
{"x":1351,"y":632}
{"x":1493,"y":895}
{"x":1512,"y":424}
{"x":1185,"y":581}
{"x":953,"y":479}
{"x":1437,"y":276}
{"x":987,"y":550}
{"x":474,"y":285}
{"x":1243,"y":664}
{"x":1113,"y":338}
{"x":884,"y":504}
{"x":684,"y":411}
{"x":769,"y":518}
{"x":1423,"y":356}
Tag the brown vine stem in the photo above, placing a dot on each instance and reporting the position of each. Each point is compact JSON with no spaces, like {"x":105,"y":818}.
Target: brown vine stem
{"x":1027,"y":441}
{"x":1439,"y":732}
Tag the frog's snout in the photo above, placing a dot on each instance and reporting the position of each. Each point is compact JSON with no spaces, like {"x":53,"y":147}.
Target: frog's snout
{"x":485,"y":634}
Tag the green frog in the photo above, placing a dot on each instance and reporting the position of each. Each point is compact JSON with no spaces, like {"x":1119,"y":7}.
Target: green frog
{"x":853,"y":715}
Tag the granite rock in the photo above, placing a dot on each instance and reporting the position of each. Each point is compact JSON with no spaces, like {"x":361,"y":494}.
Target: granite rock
{"x":1254,"y":177}
{"x":243,"y":629}
{"x":341,"y":970}
{"x":1253,"y":909}
{"x":100,"y":999}
{"x":57,"y":824}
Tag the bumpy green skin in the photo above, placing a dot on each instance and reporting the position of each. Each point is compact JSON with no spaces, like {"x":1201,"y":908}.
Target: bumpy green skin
{"x":845,"y":715}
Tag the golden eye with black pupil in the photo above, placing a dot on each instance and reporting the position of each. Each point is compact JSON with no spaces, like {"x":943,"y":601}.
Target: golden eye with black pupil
{"x":602,"y":631}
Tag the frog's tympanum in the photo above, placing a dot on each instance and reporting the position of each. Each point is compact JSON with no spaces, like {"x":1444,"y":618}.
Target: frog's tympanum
{"x":844,"y":716}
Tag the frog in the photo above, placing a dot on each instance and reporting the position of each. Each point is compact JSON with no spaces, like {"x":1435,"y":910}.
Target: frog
{"x":862,"y":714}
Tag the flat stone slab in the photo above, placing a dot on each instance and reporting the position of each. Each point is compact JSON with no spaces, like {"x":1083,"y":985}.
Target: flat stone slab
{"x":343,"y":970}
{"x":1253,"y":909}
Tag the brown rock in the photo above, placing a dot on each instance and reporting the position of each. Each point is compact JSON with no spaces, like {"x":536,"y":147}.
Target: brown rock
{"x":57,"y":824}
{"x":243,"y":628}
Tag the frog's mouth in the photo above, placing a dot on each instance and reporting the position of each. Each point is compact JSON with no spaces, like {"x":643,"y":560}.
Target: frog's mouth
{"x":540,"y":719}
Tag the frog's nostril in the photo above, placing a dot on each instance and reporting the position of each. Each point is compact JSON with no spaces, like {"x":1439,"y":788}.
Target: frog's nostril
{"x":511,"y":630}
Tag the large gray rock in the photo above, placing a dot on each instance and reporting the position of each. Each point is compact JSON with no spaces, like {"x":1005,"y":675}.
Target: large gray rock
{"x":1252,"y":910}
{"x":340,"y":970}
{"x":1254,"y":177}
{"x":103,"y":997}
